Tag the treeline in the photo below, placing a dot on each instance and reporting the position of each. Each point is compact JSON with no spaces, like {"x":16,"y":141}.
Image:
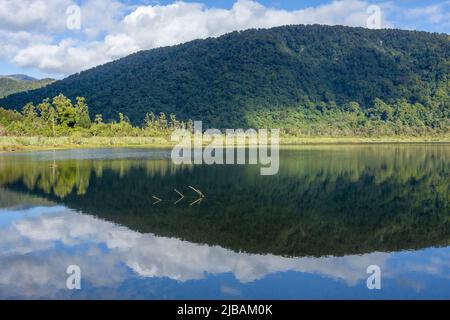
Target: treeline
{"x":351,"y":119}
{"x":62,"y":117}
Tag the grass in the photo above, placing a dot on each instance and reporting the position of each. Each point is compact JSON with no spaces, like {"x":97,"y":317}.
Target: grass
{"x":362,"y":140}
{"x":11,"y":143}
{"x":48,"y":143}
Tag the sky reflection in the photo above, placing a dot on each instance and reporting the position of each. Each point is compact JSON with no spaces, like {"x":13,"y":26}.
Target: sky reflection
{"x":38,"y":243}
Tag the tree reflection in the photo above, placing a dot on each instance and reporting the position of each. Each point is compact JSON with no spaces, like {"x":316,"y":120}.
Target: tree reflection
{"x":324,"y":201}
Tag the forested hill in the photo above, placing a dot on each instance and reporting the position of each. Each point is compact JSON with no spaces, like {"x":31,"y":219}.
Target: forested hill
{"x":270,"y":77}
{"x":19,"y":83}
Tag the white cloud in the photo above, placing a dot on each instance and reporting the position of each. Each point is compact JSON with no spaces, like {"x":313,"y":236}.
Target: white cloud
{"x":433,"y":13}
{"x":66,"y":57}
{"x":99,"y":16}
{"x":119,"y":45}
{"x":13,"y":42}
{"x":33,"y":14}
{"x":435,"y":17}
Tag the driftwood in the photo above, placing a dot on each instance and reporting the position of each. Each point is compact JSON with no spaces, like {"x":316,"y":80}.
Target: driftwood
{"x":158,"y":200}
{"x":201,"y":196}
{"x":180,"y":194}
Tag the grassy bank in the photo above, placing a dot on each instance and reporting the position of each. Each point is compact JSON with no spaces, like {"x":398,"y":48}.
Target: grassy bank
{"x":48,"y":143}
{"x":10,"y":143}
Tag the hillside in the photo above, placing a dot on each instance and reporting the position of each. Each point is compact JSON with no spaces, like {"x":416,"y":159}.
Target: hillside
{"x":270,"y":77}
{"x":19,"y":77}
{"x":18,"y":83}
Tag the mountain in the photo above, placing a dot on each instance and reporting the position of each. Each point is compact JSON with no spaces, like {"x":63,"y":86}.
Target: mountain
{"x":20,"y":77}
{"x":11,"y":84}
{"x":268,"y":76}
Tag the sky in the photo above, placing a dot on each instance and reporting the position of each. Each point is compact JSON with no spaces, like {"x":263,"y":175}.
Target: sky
{"x":56,"y":38}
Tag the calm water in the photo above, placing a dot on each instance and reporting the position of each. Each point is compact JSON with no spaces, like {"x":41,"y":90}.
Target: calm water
{"x":309,"y":232}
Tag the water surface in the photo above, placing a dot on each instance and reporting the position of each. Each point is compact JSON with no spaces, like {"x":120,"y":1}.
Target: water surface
{"x":309,"y":232}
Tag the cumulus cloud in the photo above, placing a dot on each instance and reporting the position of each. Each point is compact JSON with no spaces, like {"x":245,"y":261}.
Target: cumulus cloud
{"x":66,"y":57}
{"x":13,"y":42}
{"x":111,"y":29}
{"x":33,"y":14}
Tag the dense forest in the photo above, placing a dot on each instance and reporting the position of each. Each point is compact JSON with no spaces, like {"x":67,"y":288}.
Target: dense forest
{"x":316,"y":79}
{"x":19,"y":83}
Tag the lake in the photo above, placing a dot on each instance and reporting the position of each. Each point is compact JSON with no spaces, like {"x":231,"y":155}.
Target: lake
{"x":311,"y":231}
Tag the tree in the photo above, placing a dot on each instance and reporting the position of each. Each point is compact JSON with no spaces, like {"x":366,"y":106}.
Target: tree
{"x":29,"y":112}
{"x":82,"y":113}
{"x":174,"y":123}
{"x":352,"y":106}
{"x":48,"y":114}
{"x":381,"y":111}
{"x":161,"y":122}
{"x":67,"y":114}
{"x":149,"y":120}
{"x":98,"y":119}
{"x":122,"y":118}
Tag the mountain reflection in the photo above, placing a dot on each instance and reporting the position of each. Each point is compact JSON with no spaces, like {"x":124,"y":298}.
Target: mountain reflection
{"x":41,"y":242}
{"x":324,"y":201}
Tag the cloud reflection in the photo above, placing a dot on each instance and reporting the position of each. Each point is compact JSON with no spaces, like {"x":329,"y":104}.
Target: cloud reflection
{"x":35,"y":251}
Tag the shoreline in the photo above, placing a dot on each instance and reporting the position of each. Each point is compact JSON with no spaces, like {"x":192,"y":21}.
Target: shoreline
{"x":18,"y":144}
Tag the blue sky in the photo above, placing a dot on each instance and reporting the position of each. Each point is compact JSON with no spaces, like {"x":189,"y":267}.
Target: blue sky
{"x":36,"y":39}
